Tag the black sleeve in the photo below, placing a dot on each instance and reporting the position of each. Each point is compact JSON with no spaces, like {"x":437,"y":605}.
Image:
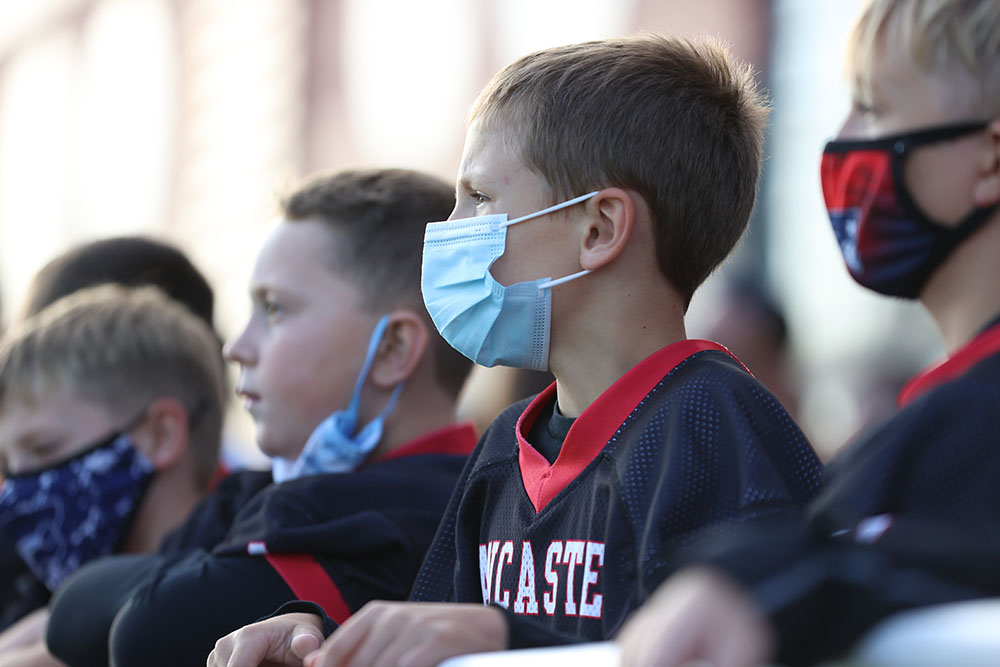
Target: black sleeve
{"x":523,"y":632}
{"x":211,"y":519}
{"x":84,"y":608}
{"x":21,"y":592}
{"x":435,"y":581}
{"x":158,"y":610}
{"x":177,"y":615}
{"x":307,"y":607}
{"x":908,"y":517}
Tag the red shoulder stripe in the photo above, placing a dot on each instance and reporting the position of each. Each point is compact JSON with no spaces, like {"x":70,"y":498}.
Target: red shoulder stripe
{"x":309,"y":581}
{"x":986,"y":344}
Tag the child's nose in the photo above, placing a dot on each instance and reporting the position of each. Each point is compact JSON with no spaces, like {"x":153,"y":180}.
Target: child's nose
{"x":239,"y":350}
{"x":853,"y":126}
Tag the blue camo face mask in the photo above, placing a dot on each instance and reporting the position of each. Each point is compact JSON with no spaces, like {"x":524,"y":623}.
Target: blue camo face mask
{"x":337,"y":444}
{"x":65,"y":515}
{"x":484,"y":320}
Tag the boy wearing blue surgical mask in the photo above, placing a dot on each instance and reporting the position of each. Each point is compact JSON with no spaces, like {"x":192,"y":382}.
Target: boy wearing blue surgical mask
{"x":110,"y":417}
{"x":909,"y":517}
{"x":601,"y":183}
{"x":353,"y":396}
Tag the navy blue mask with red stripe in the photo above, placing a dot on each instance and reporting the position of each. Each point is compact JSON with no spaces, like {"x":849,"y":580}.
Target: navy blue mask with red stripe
{"x":889,"y":244}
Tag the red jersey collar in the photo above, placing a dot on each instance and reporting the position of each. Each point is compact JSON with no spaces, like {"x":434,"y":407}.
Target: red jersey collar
{"x":453,"y":439}
{"x":591,"y":431}
{"x":986,"y":344}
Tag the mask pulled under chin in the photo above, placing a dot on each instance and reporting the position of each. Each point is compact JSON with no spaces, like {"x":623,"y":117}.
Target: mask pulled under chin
{"x":337,"y":445}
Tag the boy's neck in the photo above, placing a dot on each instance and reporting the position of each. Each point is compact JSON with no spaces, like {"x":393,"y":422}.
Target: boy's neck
{"x":606,"y":345}
{"x":421,"y":409}
{"x":167,"y":502}
{"x":963,"y":295}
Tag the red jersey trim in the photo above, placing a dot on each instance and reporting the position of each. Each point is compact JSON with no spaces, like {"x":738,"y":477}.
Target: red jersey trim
{"x":303,"y":573}
{"x":591,"y":431}
{"x":454,"y":439}
{"x":986,"y":344}
{"x":309,"y":581}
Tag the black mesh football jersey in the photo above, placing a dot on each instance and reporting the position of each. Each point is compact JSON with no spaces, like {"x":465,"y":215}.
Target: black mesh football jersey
{"x":910,"y":516}
{"x":684,"y":439}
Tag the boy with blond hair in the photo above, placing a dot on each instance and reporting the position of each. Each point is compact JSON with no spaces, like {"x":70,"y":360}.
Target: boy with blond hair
{"x":909,"y":517}
{"x":630,"y":169}
{"x":110,"y":418}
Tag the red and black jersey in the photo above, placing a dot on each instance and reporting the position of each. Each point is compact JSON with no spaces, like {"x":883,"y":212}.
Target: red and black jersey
{"x":685,"y":439}
{"x":910,"y":516}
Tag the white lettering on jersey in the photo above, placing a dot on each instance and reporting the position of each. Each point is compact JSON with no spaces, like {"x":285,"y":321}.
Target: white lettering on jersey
{"x":506,"y":553}
{"x":572,"y":557}
{"x":584,"y":555}
{"x":526,"y":602}
{"x":553,"y":555}
{"x":487,"y":563}
{"x":590,"y":575}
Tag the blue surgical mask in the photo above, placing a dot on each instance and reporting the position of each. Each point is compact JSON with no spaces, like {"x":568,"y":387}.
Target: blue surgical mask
{"x":337,"y":444}
{"x":65,"y":515}
{"x":484,"y":320}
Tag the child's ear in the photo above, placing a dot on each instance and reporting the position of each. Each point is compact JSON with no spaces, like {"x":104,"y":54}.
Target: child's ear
{"x":402,"y":348}
{"x":163,"y":436}
{"x":987,"y":188}
{"x":609,"y":227}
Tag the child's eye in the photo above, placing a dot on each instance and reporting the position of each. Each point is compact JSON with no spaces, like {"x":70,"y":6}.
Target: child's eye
{"x":272,"y":309}
{"x":478,"y":197}
{"x":863,"y":108}
{"x":44,"y":450}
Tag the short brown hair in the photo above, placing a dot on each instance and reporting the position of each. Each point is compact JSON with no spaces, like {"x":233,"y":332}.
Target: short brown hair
{"x":954,"y":40}
{"x":673,"y":119}
{"x":121,"y":348}
{"x":380,"y":216}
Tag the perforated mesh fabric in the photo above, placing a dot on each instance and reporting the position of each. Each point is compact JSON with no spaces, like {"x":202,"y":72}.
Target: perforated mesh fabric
{"x":708,"y":443}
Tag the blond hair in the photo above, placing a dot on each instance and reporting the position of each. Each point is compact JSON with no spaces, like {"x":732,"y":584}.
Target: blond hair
{"x":675,"y":120}
{"x":121,"y":348}
{"x":957,"y":41}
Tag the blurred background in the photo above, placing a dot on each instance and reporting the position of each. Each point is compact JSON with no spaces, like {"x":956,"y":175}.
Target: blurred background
{"x":187,"y":119}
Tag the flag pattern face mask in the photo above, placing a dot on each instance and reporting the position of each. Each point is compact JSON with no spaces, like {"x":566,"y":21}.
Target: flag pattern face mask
{"x":889,"y":244}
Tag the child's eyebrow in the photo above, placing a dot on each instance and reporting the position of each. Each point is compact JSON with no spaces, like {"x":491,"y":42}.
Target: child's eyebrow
{"x":37,"y":436}
{"x":464,"y":185}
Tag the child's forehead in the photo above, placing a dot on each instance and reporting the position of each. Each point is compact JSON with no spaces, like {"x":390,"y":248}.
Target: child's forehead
{"x":309,"y":260}
{"x":46,"y":392}
{"x":493,"y":156}
{"x":48,"y":404}
{"x":297,"y":250}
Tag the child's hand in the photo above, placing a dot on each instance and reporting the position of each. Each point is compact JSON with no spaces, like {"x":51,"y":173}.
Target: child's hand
{"x":411,"y":634}
{"x":275,"y":642}
{"x":696,"y":615}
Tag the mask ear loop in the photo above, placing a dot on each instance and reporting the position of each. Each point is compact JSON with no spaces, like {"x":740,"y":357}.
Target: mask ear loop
{"x":550,"y":209}
{"x":373,"y":343}
{"x":355,"y":404}
{"x":546,"y":211}
{"x":564,"y":279}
